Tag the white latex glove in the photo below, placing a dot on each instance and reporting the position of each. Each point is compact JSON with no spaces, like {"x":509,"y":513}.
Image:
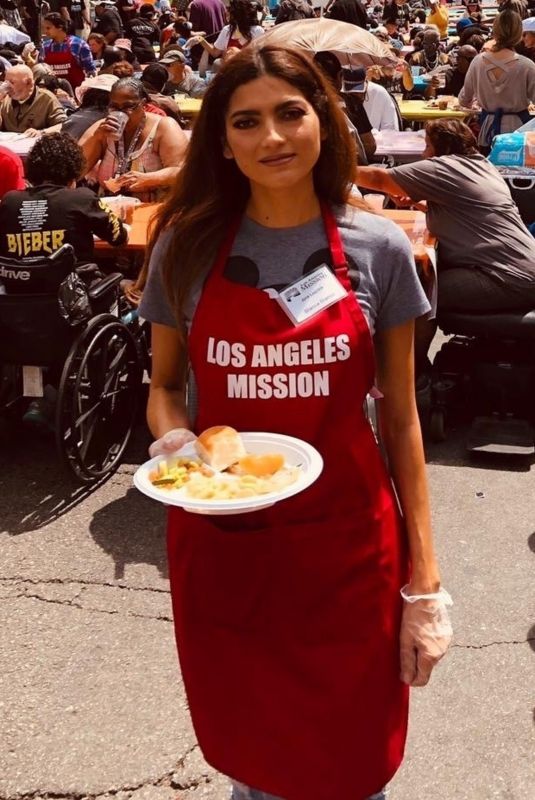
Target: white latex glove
{"x":171,"y":442}
{"x":425,"y":636}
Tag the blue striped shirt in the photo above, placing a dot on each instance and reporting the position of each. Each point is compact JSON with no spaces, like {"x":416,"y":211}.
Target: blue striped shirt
{"x":78,"y":47}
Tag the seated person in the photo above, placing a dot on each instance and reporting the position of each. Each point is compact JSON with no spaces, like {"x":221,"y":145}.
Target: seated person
{"x":97,"y":44}
{"x":28,"y":109}
{"x":93,"y":95}
{"x":181,"y":78}
{"x":486,"y":255}
{"x":358,"y":119}
{"x":37,"y":221}
{"x":378,"y":104}
{"x":154,"y":78}
{"x":110,"y":56}
{"x":123,"y":69}
{"x":60,"y":88}
{"x":454,"y":76}
{"x":429,"y":57}
{"x":527,"y":46}
{"x":147,"y":157}
{"x":11,"y":172}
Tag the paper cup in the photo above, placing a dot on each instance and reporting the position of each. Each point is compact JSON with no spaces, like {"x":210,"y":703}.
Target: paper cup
{"x":376,"y":201}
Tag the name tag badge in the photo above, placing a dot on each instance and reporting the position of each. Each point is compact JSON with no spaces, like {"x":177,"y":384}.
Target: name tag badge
{"x":311,"y":294}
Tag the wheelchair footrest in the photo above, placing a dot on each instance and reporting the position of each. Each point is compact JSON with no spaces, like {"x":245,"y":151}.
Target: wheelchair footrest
{"x":501,"y":436}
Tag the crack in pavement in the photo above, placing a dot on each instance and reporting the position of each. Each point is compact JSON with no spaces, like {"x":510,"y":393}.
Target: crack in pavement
{"x":492,"y":644}
{"x":80,"y":607}
{"x":78,"y":581}
{"x":16,"y":580}
{"x":169,"y":779}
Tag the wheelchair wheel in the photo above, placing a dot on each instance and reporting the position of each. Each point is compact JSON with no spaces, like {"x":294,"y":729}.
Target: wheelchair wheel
{"x":98,"y":397}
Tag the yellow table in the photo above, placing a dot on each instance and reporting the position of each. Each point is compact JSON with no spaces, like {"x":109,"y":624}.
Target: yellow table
{"x":189,"y":106}
{"x":416,"y":111}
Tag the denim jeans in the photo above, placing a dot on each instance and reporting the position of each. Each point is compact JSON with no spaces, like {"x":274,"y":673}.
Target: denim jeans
{"x":242,"y":792}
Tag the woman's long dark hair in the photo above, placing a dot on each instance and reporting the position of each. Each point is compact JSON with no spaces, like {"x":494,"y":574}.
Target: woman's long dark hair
{"x":211,"y":191}
{"x":242,"y":16}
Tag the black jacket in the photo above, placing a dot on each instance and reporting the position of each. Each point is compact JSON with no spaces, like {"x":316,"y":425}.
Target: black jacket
{"x":36,"y":222}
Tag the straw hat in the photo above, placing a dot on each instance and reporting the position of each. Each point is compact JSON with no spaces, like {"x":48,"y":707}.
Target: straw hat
{"x":102,"y":82}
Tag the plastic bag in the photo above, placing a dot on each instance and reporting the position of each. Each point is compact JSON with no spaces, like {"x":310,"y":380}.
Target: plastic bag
{"x":513,"y":150}
{"x":73,"y":300}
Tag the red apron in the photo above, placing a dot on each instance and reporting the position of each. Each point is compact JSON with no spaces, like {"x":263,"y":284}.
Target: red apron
{"x":65,"y":65}
{"x":287,"y":620}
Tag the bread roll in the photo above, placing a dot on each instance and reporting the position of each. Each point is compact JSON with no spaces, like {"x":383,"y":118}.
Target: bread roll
{"x":220,"y":446}
{"x":259,"y":466}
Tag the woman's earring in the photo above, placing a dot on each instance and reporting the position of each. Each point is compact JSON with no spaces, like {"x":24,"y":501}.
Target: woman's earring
{"x":227,"y":152}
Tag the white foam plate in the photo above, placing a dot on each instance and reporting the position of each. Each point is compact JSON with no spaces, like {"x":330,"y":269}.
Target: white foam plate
{"x":296,"y":454}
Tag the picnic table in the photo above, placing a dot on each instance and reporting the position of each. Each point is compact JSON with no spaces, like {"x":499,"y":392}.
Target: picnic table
{"x":137,"y":237}
{"x":189,"y":106}
{"x":17,"y":143}
{"x":420,"y":111}
{"x":402,"y":146}
{"x":412,"y":222}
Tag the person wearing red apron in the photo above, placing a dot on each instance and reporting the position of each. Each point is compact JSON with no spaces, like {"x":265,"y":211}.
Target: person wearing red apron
{"x":288,"y":619}
{"x":67,"y":62}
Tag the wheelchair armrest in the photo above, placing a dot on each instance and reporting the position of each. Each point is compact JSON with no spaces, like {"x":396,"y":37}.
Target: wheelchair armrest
{"x":102,"y":286}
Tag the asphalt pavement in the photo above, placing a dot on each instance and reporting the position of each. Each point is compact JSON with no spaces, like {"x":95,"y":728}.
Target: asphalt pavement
{"x":91,"y":701}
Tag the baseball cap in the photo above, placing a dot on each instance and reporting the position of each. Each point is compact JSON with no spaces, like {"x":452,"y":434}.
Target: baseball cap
{"x":172,"y":56}
{"x":464,"y":23}
{"x":528,"y":25}
{"x":354,"y":80}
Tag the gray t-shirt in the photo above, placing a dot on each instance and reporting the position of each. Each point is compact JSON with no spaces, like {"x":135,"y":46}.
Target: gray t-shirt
{"x":472,"y":214}
{"x":381,"y":266}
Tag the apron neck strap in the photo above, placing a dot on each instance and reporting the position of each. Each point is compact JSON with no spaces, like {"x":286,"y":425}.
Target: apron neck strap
{"x":333,"y":237}
{"x":336,"y":247}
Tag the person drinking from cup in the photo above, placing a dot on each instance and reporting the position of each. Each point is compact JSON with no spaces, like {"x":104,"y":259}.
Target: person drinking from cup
{"x":137,"y":152}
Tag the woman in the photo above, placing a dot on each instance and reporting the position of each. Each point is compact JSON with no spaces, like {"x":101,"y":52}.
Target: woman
{"x":147,"y":157}
{"x":240,"y":31}
{"x":93,"y":95}
{"x":486,"y":254}
{"x":37,"y":221}
{"x":298,"y":605}
{"x":97,"y":44}
{"x":501,"y":81}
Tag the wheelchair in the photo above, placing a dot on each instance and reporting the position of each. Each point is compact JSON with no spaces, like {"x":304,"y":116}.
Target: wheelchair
{"x":485,"y":375}
{"x":91,"y":357}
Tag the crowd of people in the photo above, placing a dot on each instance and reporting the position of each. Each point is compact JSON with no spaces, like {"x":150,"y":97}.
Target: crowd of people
{"x":109,"y":79}
{"x":298,"y":604}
